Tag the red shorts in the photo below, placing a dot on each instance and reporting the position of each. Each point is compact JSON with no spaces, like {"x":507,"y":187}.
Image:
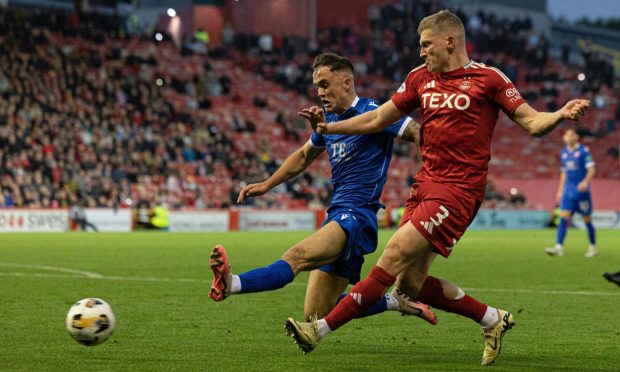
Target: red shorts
{"x":441,"y":213}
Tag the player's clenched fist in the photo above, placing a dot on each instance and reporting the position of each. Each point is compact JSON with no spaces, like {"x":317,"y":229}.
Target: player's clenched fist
{"x":316,"y":116}
{"x":253,"y":189}
{"x":575,"y":109}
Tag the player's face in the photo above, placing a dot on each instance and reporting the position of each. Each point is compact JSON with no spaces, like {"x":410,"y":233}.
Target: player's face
{"x":570,"y":138}
{"x":332,"y":88}
{"x":434,"y":50}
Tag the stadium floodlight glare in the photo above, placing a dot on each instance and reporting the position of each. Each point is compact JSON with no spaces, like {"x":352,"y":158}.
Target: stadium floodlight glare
{"x":581,"y":76}
{"x":171,"y":12}
{"x":159,"y":37}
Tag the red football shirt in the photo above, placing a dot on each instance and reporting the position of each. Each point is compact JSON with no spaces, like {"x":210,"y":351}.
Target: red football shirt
{"x":459,"y":111}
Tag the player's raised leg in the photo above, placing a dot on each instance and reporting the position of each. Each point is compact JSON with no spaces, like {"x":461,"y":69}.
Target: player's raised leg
{"x":320,"y":248}
{"x":325,"y":290}
{"x":444,"y":295}
{"x":403,"y":248}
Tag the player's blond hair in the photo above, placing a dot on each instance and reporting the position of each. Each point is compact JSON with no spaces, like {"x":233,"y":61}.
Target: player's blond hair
{"x":444,"y":21}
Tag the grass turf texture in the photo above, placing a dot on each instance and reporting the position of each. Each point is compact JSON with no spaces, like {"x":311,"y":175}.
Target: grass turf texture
{"x":157,"y":284}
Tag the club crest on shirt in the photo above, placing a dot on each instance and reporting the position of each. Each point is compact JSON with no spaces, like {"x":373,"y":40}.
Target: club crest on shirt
{"x":465,"y":85}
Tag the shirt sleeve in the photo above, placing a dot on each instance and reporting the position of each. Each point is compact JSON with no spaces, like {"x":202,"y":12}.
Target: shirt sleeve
{"x":317,"y":141}
{"x":588,"y":157}
{"x":503,"y":91}
{"x":406,"y":97}
{"x":562,"y":166}
{"x":398,"y":128}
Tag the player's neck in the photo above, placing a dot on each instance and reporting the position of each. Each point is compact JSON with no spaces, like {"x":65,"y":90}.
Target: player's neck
{"x":459,"y":61}
{"x":351,"y":98}
{"x":573,"y":147}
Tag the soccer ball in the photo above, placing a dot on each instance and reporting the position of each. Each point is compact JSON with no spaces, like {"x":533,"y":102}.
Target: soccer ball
{"x":90,"y":321}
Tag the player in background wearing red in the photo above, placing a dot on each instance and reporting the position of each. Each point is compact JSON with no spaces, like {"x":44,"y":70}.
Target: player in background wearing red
{"x":460,"y":101}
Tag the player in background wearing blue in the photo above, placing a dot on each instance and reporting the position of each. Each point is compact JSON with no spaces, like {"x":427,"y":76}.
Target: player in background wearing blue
{"x":334,"y":253}
{"x":574,"y":191}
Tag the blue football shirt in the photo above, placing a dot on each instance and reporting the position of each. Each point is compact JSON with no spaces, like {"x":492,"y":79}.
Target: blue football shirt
{"x":575,"y":165}
{"x":359,"y":163}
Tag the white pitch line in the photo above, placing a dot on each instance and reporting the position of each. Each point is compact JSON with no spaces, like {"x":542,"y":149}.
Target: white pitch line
{"x":88,"y":274}
{"x":544,"y":291}
{"x":101,"y":277}
{"x":203,"y":281}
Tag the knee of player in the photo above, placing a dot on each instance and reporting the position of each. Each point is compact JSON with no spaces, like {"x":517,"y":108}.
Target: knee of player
{"x":298,"y":257}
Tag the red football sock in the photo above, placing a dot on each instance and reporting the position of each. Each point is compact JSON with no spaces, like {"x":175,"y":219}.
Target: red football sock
{"x":361,"y":297}
{"x":432,"y":295}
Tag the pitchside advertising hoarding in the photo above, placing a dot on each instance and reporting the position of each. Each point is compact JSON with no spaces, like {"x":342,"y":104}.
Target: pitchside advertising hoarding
{"x":120,"y":220}
{"x":25,"y":220}
{"x":195,"y":221}
{"x":277,"y":220}
{"x":601,"y":220}
{"x":109,"y":220}
{"x":488,"y":219}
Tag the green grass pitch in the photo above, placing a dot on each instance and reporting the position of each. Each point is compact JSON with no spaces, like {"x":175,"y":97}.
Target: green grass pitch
{"x":567,"y":315}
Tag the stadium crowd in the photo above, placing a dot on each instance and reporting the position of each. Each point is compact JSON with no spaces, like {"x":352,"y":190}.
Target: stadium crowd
{"x":93,"y":117}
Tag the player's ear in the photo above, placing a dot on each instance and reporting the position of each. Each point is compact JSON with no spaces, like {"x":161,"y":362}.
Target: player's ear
{"x":348,"y":83}
{"x":451,"y":42}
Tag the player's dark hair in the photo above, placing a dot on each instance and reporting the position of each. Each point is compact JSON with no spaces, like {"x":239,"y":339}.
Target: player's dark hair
{"x":334,"y":61}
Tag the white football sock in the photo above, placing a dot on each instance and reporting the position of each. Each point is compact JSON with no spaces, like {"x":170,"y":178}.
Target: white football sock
{"x":322,"y":328}
{"x":392,"y":303}
{"x":235,"y":284}
{"x":490,"y":317}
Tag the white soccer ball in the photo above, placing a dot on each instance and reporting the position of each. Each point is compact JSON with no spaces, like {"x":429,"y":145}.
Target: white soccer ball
{"x":90,"y":321}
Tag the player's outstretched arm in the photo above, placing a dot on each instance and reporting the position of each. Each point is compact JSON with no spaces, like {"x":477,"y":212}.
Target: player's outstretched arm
{"x":368,"y":122}
{"x":296,"y":163}
{"x":540,"y":123}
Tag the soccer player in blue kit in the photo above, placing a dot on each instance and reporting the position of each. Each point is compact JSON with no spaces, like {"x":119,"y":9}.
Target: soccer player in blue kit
{"x":574,"y":191}
{"x":334,"y":253}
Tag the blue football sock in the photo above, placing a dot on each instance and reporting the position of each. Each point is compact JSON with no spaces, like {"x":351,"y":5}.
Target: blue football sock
{"x":379,"y":307}
{"x":274,"y":276}
{"x":561,"y":231}
{"x":591,"y":233}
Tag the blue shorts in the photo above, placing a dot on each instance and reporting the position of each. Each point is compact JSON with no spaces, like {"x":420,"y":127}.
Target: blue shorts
{"x":360,"y":225}
{"x":579,"y":202}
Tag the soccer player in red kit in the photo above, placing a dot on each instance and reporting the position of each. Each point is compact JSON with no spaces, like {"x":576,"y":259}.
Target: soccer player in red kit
{"x":460,"y":100}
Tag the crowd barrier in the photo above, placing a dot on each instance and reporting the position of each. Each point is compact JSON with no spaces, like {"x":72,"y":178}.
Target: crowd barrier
{"x":123,"y":220}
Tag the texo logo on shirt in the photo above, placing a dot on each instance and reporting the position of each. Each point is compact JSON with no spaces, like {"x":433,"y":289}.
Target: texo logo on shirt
{"x":440,"y":100}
